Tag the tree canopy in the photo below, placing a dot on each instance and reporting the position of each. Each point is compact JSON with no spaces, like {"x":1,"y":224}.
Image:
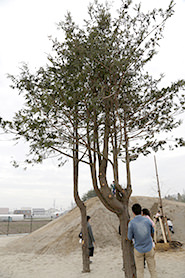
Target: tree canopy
{"x":102,"y":63}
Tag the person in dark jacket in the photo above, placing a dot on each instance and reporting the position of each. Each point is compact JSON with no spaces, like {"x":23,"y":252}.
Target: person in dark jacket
{"x":91,"y":240}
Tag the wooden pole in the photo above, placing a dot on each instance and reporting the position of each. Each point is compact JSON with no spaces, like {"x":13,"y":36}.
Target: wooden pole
{"x":160,"y":199}
{"x":162,"y":229}
{"x":159,"y":191}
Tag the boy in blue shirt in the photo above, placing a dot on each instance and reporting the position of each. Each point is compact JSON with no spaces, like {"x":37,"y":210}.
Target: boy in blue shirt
{"x":140,"y":229}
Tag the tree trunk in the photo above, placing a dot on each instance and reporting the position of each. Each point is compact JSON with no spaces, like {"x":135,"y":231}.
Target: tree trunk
{"x":126,"y":245}
{"x":85,"y":249}
{"x":80,"y":204}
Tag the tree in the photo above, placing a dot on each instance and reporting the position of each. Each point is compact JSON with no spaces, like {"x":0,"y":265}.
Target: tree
{"x":124,"y":106}
{"x":176,"y":197}
{"x":50,"y":119}
{"x":95,"y":103}
{"x":90,"y":194}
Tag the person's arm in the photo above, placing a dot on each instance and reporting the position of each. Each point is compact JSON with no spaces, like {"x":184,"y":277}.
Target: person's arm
{"x":130,"y":234}
{"x":152,"y":232}
{"x":153,"y":224}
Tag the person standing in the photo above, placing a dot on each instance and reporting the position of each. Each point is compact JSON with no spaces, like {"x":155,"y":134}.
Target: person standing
{"x":91,"y":240}
{"x":113,"y":186}
{"x":146,"y":213}
{"x":140,"y":229}
{"x":158,"y":214}
{"x":170,"y":225}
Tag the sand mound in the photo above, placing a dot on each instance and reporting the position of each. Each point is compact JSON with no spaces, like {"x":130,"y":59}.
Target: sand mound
{"x":61,"y":235}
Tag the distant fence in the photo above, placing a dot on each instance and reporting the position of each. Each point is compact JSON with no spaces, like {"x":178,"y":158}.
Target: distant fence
{"x":27,"y":225}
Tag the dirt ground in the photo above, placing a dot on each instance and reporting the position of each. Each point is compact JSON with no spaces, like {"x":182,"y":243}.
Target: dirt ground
{"x":54,"y":250}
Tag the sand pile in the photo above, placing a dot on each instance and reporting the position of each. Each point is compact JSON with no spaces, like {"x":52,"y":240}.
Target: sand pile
{"x":61,"y":235}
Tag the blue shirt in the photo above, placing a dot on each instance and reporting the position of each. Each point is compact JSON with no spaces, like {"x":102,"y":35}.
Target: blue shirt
{"x":140,"y":229}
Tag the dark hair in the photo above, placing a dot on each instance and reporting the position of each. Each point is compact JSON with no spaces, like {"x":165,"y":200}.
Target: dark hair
{"x":136,"y":208}
{"x":146,"y":211}
{"x":88,"y":217}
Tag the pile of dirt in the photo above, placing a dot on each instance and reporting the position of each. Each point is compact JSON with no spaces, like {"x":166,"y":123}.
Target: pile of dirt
{"x":61,"y":235}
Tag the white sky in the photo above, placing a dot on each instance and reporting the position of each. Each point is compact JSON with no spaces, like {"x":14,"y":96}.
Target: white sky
{"x":24,"y":29}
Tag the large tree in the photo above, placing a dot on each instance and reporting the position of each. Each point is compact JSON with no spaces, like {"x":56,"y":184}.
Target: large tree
{"x":50,"y":119}
{"x":95,"y":103}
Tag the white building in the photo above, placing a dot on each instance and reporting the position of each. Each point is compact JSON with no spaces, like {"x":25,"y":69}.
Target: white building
{"x":38,"y":211}
{"x":11,"y":217}
{"x":4,"y":210}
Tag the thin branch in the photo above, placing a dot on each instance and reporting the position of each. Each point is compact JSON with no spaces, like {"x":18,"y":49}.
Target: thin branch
{"x":68,"y":155}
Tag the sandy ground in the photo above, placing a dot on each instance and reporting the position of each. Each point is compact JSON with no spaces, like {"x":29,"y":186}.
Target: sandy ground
{"x":54,"y":251}
{"x":107,"y":263}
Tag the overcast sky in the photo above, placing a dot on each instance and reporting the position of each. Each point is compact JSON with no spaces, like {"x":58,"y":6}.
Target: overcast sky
{"x":24,"y":29}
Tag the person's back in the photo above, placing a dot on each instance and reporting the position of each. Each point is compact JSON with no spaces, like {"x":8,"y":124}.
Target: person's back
{"x":140,"y":229}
